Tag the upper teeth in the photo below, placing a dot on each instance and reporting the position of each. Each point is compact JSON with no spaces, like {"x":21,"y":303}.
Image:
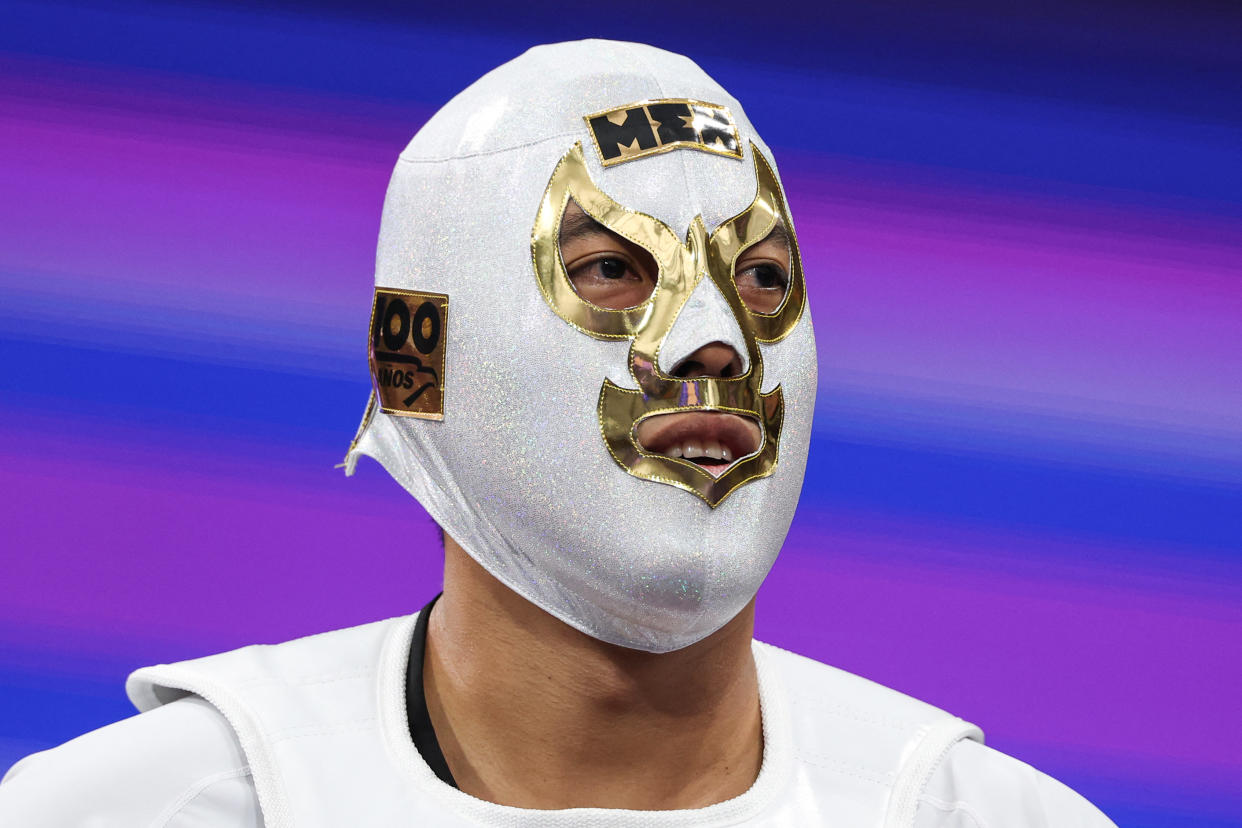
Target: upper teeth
{"x":694,"y":449}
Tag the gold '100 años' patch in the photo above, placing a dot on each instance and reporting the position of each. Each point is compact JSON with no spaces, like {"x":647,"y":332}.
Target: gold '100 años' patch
{"x":647,"y":127}
{"x":408,"y":330}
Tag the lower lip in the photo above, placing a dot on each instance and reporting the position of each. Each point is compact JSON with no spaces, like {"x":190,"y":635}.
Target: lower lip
{"x":714,"y":469}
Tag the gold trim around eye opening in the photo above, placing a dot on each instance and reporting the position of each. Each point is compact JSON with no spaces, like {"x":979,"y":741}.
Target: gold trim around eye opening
{"x":735,"y":236}
{"x":571,"y":180}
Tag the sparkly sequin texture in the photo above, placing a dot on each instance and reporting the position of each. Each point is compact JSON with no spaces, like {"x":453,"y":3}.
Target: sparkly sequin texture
{"x":518,"y":471}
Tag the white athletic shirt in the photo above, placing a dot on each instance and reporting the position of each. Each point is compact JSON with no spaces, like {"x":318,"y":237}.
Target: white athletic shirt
{"x":317,"y":726}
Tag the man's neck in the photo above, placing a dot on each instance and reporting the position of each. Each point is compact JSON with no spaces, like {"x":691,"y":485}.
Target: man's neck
{"x":529,"y":712}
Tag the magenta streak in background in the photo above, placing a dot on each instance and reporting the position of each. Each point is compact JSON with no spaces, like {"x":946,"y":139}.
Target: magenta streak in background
{"x":926,"y":623}
{"x":1017,"y":296}
{"x":145,"y":213}
{"x":247,"y":534}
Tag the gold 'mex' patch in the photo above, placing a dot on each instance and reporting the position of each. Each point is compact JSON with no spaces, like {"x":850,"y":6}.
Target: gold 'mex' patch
{"x":647,"y":127}
{"x":408,"y":330}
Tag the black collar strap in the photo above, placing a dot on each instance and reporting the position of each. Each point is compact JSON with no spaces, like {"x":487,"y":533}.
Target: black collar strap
{"x":421,"y":731}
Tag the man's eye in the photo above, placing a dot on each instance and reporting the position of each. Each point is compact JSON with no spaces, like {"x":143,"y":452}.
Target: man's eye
{"x":762,"y":286}
{"x":605,"y":269}
{"x":612,"y":268}
{"x":611,"y":282}
{"x":766,"y":276}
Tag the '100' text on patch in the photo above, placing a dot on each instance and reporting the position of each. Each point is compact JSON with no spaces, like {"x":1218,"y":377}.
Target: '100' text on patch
{"x":408,"y":330}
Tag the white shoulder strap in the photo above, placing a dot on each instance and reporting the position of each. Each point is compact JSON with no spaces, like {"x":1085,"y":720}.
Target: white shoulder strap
{"x":299,"y":709}
{"x":152,"y":686}
{"x":917,"y":770}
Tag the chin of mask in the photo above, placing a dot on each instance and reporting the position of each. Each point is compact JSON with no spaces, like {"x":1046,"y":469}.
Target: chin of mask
{"x":593,"y":362}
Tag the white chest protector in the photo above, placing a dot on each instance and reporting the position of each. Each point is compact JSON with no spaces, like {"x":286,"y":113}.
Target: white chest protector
{"x":322,"y":721}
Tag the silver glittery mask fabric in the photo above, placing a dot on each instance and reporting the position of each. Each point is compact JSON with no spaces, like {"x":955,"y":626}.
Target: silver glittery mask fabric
{"x":518,"y":472}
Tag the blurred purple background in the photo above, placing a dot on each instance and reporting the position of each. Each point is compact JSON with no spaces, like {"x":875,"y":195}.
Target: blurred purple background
{"x":1021,"y":229}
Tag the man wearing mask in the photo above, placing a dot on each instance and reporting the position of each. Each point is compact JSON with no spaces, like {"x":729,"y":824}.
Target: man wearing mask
{"x":594,"y":367}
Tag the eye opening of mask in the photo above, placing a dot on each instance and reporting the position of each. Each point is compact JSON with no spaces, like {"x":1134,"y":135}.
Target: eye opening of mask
{"x":604,"y":268}
{"x":712,"y":440}
{"x":762,"y":271}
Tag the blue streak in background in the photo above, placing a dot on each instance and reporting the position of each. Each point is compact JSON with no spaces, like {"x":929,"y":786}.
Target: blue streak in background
{"x":1136,"y":139}
{"x":1014,"y":492}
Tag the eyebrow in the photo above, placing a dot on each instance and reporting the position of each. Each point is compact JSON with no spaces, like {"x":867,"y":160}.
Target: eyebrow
{"x":779,"y":234}
{"x":580,"y":226}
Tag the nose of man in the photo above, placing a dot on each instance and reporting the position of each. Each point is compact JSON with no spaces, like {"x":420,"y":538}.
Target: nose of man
{"x":704,"y":322}
{"x":715,"y":359}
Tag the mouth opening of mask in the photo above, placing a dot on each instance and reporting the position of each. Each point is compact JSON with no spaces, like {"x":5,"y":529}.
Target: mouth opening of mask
{"x":713,"y":440}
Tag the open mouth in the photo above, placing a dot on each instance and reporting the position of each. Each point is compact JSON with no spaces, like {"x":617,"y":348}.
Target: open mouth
{"x":712,"y":440}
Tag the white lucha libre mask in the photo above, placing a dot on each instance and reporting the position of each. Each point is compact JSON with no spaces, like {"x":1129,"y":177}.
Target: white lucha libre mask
{"x":547,"y":426}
